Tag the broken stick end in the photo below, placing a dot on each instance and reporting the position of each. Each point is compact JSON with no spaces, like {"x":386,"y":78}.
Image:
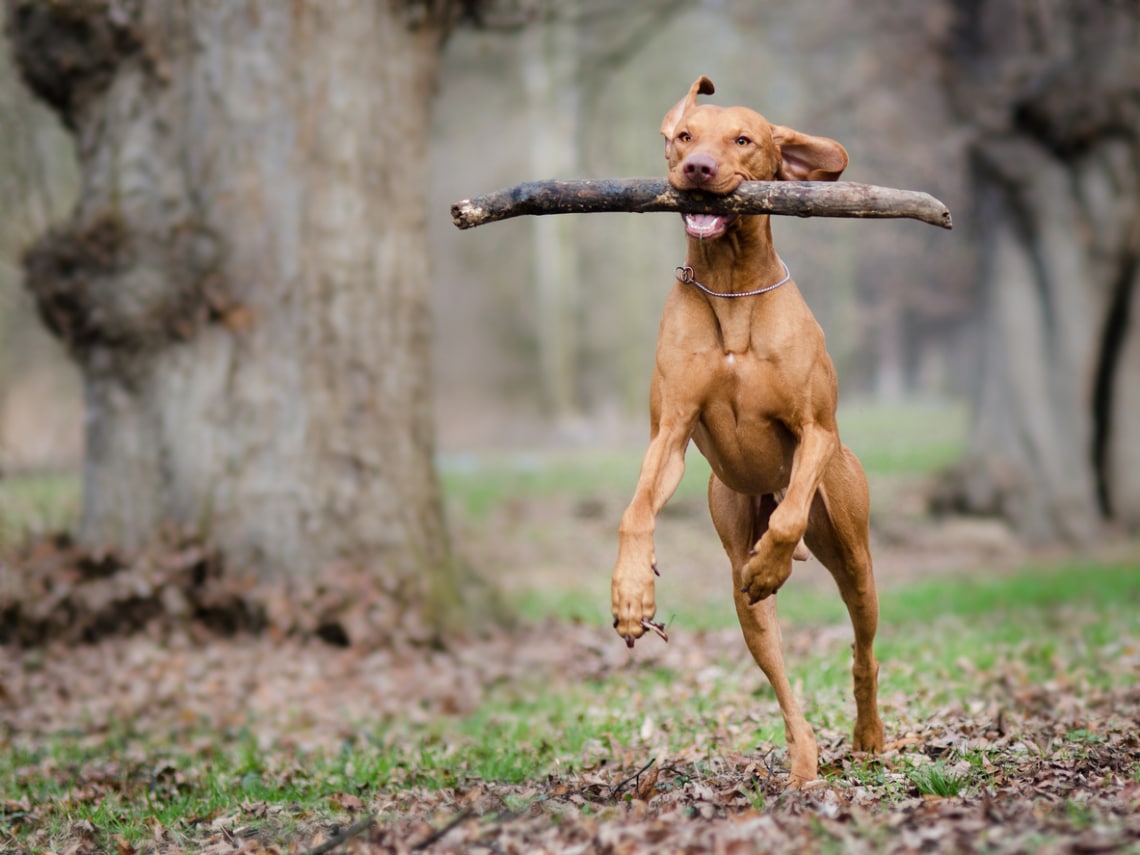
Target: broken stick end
{"x":464,"y":214}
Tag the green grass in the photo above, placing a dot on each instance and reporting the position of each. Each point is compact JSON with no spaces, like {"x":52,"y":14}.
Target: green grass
{"x":949,"y":640}
{"x":898,"y":440}
{"x":479,"y":483}
{"x":1099,"y":585}
{"x":37,"y":504}
{"x":893,"y":440}
{"x":904,"y":439}
{"x":937,"y":780}
{"x":1025,"y":621}
{"x":150,"y":781}
{"x":939,"y":640}
{"x":943,"y":640}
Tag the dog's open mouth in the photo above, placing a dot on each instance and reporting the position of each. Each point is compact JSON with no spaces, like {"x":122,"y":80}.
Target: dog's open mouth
{"x":705,"y":226}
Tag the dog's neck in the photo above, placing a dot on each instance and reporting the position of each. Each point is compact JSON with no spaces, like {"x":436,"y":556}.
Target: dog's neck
{"x":743,"y":259}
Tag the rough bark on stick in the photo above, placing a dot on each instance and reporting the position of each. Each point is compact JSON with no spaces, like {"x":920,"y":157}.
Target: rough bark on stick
{"x":643,"y":195}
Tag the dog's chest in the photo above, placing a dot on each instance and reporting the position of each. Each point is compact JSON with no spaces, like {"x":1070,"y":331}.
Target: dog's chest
{"x":734,"y":331}
{"x":741,"y":428}
{"x":745,"y":385}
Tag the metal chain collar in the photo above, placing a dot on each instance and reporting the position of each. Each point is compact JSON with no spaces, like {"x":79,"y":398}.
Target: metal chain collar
{"x":685,"y":275}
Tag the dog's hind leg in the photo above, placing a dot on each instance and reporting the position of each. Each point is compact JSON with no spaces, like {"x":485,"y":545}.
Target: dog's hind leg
{"x":837,"y":534}
{"x":740,"y":520}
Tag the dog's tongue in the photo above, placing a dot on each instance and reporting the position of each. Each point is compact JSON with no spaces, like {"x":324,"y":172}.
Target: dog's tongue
{"x":705,"y":225}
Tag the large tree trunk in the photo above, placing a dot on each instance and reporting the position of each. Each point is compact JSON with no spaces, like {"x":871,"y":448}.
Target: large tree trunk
{"x":38,"y":184}
{"x":1052,"y":92}
{"x":244,"y":281}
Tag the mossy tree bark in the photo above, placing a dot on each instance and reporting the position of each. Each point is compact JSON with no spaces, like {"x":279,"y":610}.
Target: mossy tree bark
{"x":244,"y":280}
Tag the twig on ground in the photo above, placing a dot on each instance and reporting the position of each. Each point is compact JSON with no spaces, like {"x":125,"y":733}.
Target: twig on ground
{"x":683,"y":776}
{"x":904,"y":742}
{"x":614,"y":790}
{"x":436,"y":836}
{"x":658,"y":628}
{"x":769,"y":764}
{"x":358,"y":827}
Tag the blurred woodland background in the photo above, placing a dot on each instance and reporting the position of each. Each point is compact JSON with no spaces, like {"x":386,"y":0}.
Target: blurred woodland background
{"x":524,"y":345}
{"x":231,"y":139}
{"x":339,"y":484}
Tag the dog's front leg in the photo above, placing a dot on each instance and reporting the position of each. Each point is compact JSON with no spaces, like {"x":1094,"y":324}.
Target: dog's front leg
{"x":771,"y":562}
{"x":631,"y":589}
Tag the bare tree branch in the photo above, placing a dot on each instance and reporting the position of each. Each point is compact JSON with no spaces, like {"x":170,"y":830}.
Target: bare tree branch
{"x":643,"y":195}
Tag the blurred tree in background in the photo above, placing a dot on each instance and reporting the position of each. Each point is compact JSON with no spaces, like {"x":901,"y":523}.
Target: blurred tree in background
{"x":1020,"y":115}
{"x":245,"y":285}
{"x":244,"y":281}
{"x":1050,"y":94}
{"x":891,"y":297}
{"x":38,"y":184}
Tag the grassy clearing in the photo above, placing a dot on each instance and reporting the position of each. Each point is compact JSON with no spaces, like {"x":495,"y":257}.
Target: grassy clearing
{"x":992,"y":677}
{"x":33,"y":505}
{"x":957,"y":642}
{"x":937,"y":780}
{"x":911,"y":440}
{"x":906,"y":439}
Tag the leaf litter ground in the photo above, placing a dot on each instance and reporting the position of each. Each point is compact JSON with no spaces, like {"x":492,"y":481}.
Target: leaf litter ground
{"x":987,"y":753}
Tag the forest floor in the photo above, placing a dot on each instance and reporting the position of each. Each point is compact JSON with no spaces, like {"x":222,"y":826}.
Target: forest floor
{"x":1008,"y":688}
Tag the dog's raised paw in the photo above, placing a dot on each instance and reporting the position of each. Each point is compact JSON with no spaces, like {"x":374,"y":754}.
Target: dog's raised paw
{"x":633,"y":606}
{"x":761,"y":582}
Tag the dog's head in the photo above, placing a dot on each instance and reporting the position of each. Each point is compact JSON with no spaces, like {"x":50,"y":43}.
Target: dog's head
{"x":713,"y":149}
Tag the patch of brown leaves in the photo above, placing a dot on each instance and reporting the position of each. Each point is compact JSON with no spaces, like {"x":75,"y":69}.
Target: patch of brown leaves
{"x":56,"y":591}
{"x":1046,"y":770}
{"x":168,"y":642}
{"x":1052,"y":800}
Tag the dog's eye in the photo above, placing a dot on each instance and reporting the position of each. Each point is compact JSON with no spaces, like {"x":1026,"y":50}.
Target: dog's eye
{"x":684,"y":136}
{"x":743,"y":140}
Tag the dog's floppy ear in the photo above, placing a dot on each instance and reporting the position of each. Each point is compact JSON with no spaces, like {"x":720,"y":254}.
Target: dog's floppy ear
{"x":808,"y":158}
{"x":701,"y":86}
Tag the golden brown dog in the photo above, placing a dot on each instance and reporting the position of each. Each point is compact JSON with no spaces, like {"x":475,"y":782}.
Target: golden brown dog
{"x":743,"y":371}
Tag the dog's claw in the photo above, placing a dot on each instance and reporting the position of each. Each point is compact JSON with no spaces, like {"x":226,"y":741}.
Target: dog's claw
{"x":629,"y":641}
{"x":658,"y":628}
{"x":656,"y":572}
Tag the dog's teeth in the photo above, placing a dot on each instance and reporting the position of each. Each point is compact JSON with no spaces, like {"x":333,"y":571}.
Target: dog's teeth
{"x":702,"y":228}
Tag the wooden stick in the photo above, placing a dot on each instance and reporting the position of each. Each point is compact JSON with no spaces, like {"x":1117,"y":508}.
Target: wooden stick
{"x":617,"y":789}
{"x":642,"y":195}
{"x":436,"y":836}
{"x":358,"y":827}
